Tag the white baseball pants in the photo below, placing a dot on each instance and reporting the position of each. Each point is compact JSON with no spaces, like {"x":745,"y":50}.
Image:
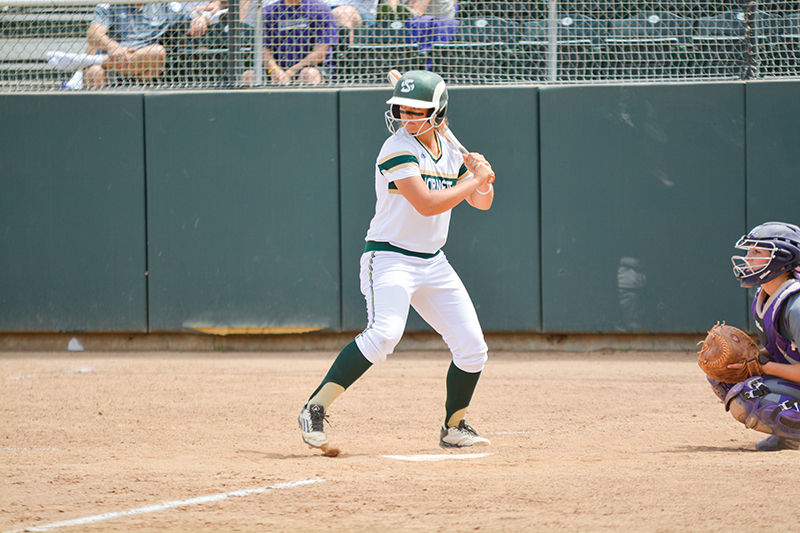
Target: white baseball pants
{"x":391,"y":281}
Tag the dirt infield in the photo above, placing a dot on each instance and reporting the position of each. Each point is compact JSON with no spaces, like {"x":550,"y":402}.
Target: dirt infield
{"x":580,"y":442}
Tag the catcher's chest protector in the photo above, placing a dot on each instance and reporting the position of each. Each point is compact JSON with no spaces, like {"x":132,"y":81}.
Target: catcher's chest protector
{"x":766,"y":319}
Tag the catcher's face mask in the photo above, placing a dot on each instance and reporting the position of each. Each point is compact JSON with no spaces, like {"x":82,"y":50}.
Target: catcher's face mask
{"x":754,"y":267}
{"x":772,"y":249}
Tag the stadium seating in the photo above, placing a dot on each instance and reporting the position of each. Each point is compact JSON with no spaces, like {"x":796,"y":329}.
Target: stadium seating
{"x":718,"y":44}
{"x":27,"y":33}
{"x":488,"y":42}
{"x":649,"y":46}
{"x":777,"y":49}
{"x":477,"y":53}
{"x":374,"y":51}
{"x":203,"y":61}
{"x":517,"y":10}
{"x":579,"y":41}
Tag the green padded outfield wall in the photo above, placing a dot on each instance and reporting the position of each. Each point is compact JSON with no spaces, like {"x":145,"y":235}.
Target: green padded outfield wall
{"x":361,"y":134}
{"x":773,"y":156}
{"x":773,"y":152}
{"x":234,"y":206}
{"x":72,"y":226}
{"x":243,"y":211}
{"x":643,"y":189}
{"x":496,"y":253}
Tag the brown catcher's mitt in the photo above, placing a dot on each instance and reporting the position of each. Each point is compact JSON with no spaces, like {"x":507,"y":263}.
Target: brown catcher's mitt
{"x":725,"y":345}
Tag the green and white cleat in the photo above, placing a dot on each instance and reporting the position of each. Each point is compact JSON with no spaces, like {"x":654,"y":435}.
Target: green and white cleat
{"x":311,"y":421}
{"x":461,"y":436}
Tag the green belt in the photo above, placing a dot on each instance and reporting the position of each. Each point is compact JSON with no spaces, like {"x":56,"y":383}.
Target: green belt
{"x":375,"y":246}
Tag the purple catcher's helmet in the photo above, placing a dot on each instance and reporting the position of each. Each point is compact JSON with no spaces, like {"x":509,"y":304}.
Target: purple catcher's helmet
{"x":780,"y":240}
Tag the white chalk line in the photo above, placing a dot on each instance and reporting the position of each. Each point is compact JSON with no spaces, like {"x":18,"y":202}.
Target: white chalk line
{"x":522,"y":432}
{"x":169,"y":505}
{"x":436,"y":457}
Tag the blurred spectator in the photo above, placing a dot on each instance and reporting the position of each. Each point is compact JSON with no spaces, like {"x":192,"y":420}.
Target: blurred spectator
{"x":210,"y":8}
{"x":353,"y":13}
{"x":127,"y":39}
{"x":428,"y":21}
{"x":298,"y":39}
{"x":248,"y":9}
{"x":132,"y":35}
{"x":433,"y":8}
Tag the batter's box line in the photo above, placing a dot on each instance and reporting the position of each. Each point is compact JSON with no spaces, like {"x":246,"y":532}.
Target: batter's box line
{"x":523,"y":432}
{"x":170,"y":505}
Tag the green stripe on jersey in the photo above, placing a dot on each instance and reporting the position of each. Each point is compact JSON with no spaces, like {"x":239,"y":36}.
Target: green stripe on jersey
{"x":395,"y":161}
{"x":463,"y":171}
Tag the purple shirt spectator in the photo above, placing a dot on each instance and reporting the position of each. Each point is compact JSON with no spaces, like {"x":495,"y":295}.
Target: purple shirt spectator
{"x":292,"y":31}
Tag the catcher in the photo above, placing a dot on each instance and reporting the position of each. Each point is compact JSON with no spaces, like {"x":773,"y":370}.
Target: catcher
{"x":761,"y":388}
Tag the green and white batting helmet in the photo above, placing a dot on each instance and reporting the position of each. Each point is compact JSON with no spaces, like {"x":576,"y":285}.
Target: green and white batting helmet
{"x":421,"y":89}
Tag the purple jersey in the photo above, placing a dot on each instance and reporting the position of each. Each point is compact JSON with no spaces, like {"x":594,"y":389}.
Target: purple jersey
{"x":768,"y":312}
{"x":292,"y":32}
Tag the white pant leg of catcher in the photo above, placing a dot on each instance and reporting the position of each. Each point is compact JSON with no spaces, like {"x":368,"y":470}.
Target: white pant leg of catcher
{"x":387,"y":281}
{"x":444,"y":303}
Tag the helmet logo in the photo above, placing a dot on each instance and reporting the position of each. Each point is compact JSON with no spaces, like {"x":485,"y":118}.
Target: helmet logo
{"x":406,"y":86}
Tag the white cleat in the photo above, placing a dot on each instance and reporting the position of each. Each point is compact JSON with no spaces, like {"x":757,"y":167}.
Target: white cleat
{"x":461,"y":436}
{"x":311,"y":421}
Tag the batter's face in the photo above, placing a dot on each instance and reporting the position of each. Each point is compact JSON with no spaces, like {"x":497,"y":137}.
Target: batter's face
{"x":415,"y":120}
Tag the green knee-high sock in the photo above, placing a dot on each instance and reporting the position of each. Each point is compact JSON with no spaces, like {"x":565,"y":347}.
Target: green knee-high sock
{"x":460,"y":386}
{"x":349,"y":365}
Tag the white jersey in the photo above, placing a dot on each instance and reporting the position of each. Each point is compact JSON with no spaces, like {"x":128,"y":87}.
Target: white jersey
{"x":396,"y":221}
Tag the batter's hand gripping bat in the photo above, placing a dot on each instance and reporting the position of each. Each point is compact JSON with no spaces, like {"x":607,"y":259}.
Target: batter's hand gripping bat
{"x":393,"y":76}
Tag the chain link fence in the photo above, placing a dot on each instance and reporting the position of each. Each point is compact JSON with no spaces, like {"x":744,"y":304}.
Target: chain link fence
{"x":51,"y":45}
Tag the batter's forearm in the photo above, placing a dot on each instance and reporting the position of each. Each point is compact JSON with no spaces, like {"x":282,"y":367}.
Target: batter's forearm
{"x":482,"y":197}
{"x":437,"y":202}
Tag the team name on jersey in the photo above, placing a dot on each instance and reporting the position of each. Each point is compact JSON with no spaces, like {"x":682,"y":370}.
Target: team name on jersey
{"x":438,"y":183}
{"x":434,"y":181}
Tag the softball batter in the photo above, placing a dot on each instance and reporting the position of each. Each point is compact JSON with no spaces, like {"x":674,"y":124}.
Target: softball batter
{"x":419,"y":178}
